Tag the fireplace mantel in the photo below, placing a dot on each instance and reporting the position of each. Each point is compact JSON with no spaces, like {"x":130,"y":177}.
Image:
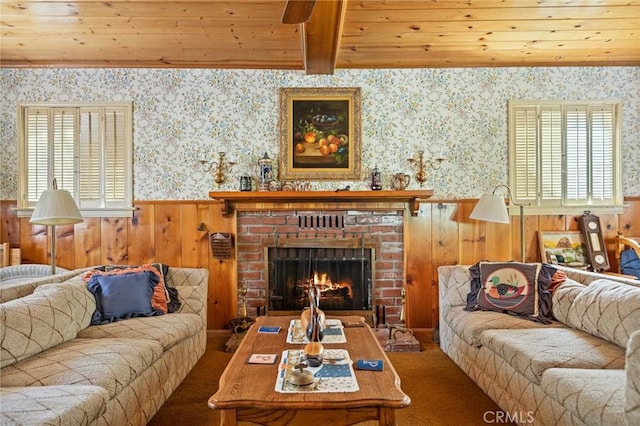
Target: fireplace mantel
{"x":230,"y":198}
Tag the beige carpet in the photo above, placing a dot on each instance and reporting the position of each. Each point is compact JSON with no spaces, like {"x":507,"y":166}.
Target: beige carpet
{"x":441,"y":394}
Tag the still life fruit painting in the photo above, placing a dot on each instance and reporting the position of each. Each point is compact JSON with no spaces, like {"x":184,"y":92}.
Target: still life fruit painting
{"x":321,"y":134}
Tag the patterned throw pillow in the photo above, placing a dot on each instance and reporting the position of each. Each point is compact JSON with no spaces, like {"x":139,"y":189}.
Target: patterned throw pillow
{"x":521,"y":289}
{"x":121,"y":296}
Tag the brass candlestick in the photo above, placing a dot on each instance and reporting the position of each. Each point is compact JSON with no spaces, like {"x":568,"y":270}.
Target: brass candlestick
{"x":242,"y":322}
{"x":243,"y":294}
{"x":403,"y":312}
{"x":220,"y":168}
{"x":421,"y":165}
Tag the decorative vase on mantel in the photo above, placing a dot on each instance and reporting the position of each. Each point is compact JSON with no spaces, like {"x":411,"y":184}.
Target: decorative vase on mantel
{"x":265,"y":172}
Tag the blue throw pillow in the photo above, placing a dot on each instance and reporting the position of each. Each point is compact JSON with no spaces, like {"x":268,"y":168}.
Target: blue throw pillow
{"x":123,"y":296}
{"x":630,"y":263}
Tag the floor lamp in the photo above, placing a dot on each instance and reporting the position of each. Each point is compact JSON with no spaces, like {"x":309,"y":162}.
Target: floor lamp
{"x":492,"y":208}
{"x":55,"y":207}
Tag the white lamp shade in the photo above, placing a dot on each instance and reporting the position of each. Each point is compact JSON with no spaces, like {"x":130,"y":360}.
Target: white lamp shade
{"x":56,"y":207}
{"x":491,"y":208}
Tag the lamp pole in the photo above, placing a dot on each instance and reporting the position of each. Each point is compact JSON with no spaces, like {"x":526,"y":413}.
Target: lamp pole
{"x":521,"y":209}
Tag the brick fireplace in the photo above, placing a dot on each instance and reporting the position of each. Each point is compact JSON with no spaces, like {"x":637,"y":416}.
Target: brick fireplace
{"x":345,"y":232}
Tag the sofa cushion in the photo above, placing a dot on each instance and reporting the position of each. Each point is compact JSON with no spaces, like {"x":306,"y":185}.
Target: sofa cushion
{"x":123,"y":296}
{"x":51,"y":315}
{"x":607,"y":309}
{"x":167,"y":330}
{"x":533,"y":351}
{"x":109,"y":363}
{"x":52,"y":405}
{"x":521,"y":289}
{"x":469,"y":326}
{"x":596,"y":397}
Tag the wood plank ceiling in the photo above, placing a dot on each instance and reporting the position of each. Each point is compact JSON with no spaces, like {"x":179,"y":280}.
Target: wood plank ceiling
{"x":340,"y":34}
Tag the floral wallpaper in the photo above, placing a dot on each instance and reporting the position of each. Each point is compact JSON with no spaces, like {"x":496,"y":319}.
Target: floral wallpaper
{"x":184,"y":115}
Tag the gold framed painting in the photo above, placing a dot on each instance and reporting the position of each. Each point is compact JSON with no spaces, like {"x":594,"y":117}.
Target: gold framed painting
{"x":563,"y":247}
{"x":320,"y":134}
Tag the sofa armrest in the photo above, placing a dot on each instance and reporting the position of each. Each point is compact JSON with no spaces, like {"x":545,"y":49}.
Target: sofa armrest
{"x":192,"y":285}
{"x":632,"y":387}
{"x":454,"y":283}
{"x":587,"y":277}
{"x":14,"y":290}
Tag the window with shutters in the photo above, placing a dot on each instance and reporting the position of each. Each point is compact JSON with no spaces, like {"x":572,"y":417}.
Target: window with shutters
{"x":87,"y":148}
{"x":565,"y":156}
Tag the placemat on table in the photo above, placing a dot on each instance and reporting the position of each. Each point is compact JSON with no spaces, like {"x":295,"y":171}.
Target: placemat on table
{"x":334,"y":375}
{"x":333,"y":332}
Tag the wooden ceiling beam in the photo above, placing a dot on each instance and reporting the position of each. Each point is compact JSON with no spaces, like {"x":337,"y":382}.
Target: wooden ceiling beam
{"x":321,"y":37}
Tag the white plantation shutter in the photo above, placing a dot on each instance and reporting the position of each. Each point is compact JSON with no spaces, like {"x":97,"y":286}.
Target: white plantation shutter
{"x":86,"y":148}
{"x":564,"y":155}
{"x":115,"y":152}
{"x":90,"y":155}
{"x":577,"y":189}
{"x":36,"y":152}
{"x":550,"y":155}
{"x":602,"y":154}
{"x":64,"y":136}
{"x":526,"y":155}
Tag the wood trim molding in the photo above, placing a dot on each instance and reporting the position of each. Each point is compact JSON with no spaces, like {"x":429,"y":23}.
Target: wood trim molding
{"x":230,"y":199}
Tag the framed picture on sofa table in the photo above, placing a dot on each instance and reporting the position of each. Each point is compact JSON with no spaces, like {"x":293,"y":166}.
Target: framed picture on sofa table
{"x":563,"y":247}
{"x":320,"y":133}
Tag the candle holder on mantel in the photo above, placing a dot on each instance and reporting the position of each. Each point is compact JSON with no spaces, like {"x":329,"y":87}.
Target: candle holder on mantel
{"x":220,"y":168}
{"x":421,"y":166}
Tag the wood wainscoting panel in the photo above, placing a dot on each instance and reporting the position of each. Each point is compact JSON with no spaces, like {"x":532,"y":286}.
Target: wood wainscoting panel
{"x":629,"y":222}
{"x":418,"y":267}
{"x":141,"y":247}
{"x":223,"y":274}
{"x":472,"y":233}
{"x":115,"y":241}
{"x":168,"y":240}
{"x":34,"y":242}
{"x":9,"y":225}
{"x":65,"y":246}
{"x":87,"y":242}
{"x":190,"y":237}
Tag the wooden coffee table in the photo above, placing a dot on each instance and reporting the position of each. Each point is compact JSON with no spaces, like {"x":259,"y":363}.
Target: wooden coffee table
{"x":247,"y":391}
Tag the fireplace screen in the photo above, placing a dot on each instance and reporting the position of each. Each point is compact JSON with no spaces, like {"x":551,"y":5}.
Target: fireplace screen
{"x":343,"y":276}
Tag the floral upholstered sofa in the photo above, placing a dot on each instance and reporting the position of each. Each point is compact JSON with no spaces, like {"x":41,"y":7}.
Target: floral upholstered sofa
{"x":581,"y":367}
{"x":58,"y":369}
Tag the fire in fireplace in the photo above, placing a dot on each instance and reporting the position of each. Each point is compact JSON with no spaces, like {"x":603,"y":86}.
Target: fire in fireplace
{"x":342,"y":274}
